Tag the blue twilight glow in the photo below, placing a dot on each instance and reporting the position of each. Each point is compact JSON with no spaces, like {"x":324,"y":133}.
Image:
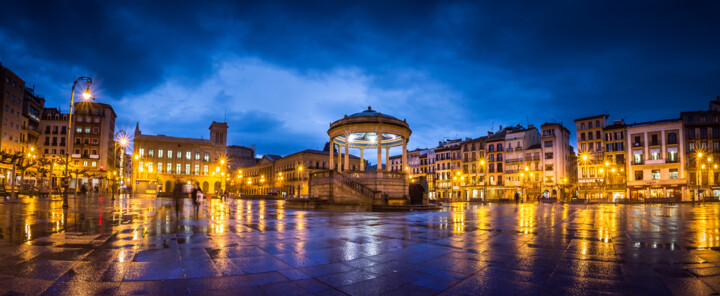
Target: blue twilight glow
{"x":280,"y":72}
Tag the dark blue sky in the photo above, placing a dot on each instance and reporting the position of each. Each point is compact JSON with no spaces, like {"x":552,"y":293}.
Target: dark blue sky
{"x":285,"y":70}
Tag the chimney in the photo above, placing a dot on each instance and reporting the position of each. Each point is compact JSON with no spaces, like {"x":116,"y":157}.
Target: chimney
{"x":490,"y":133}
{"x":532,"y":126}
{"x":501,"y":127}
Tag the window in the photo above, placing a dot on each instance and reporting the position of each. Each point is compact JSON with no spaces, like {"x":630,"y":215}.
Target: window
{"x":491,"y":168}
{"x":140,"y":166}
{"x":160,"y":167}
{"x":582,"y":136}
{"x":491,"y":148}
{"x":206,"y":157}
{"x":548,"y":167}
{"x":499,"y":168}
{"x":87,"y":130}
{"x":597,"y":123}
{"x":637,"y":143}
{"x":654,"y":154}
{"x":655,"y":175}
{"x":150,"y":167}
{"x":597,"y":135}
{"x":197,"y":155}
{"x":151,"y":153}
{"x":96,"y":130}
{"x":142,"y":152}
{"x":95,"y":141}
{"x":178,"y":155}
{"x":673,"y":173}
{"x":79,"y":130}
{"x":197,"y":168}
{"x":499,"y":147}
{"x":590,"y":124}
{"x":638,"y":175}
{"x":205,"y":169}
{"x":582,"y":126}
{"x":638,"y":157}
{"x":703,"y":133}
{"x":170,"y":154}
{"x":160,"y":153}
{"x":691,"y":146}
{"x":654,"y":140}
{"x":85,"y":163}
{"x":169,"y":168}
{"x":549,"y":155}
{"x":187,"y":169}
{"x":598,"y":146}
{"x":499,"y":157}
{"x":178,"y":168}
{"x":583,"y":147}
{"x":672,"y":138}
{"x":672,"y":154}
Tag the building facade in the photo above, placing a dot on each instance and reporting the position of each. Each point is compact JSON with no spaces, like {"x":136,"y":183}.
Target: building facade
{"x":522,"y":162}
{"x":559,"y":163}
{"x":702,"y":151}
{"x":473,"y":169}
{"x":93,"y":140}
{"x":287,"y":176}
{"x":615,"y":175}
{"x":163,"y":161}
{"x":656,"y":167}
{"x":590,"y":155}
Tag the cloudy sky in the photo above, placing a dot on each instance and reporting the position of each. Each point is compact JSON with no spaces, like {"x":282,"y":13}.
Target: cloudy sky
{"x":280,"y":72}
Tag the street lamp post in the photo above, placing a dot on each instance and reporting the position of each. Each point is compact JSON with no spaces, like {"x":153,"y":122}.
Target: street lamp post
{"x":86,"y":96}
{"x":485,"y":180}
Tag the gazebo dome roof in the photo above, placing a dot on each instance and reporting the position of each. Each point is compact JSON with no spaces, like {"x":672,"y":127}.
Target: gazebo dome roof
{"x":371,"y":112}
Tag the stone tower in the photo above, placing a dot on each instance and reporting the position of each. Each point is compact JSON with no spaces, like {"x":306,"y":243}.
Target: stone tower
{"x":218,"y":134}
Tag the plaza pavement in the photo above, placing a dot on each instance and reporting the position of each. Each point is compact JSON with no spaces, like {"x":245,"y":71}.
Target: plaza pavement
{"x":127,"y":246}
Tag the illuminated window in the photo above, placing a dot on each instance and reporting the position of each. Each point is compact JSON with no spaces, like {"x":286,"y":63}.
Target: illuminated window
{"x":178,"y":155}
{"x":140,"y":166}
{"x":205,"y":169}
{"x":187,"y":169}
{"x":150,"y":167}
{"x":169,"y":168}
{"x":197,"y":155}
{"x":178,"y":168}
{"x":170,"y":154}
{"x":160,"y":153}
{"x":151,"y":153}
{"x":197,"y":169}
{"x":160,"y":167}
{"x":85,"y":162}
{"x":673,"y":173}
{"x":188,"y":155}
{"x":142,"y":152}
{"x":655,"y":174}
{"x":206,"y":157}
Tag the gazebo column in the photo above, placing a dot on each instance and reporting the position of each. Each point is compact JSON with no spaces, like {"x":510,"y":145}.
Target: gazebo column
{"x":347,"y":153}
{"x":379,"y":150}
{"x":404,"y":156}
{"x":340,"y":158}
{"x":387,"y":158}
{"x":362,"y":160}
{"x":332,"y":153}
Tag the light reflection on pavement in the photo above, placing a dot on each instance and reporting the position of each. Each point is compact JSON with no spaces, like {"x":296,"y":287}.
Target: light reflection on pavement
{"x":138,"y":245}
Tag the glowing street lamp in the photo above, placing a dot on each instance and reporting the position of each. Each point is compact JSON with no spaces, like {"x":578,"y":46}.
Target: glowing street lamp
{"x":86,"y":96}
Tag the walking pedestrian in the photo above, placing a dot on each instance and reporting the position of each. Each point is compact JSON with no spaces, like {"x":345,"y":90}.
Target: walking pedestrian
{"x":177,"y":196}
{"x":196,"y":200}
{"x":517,"y":198}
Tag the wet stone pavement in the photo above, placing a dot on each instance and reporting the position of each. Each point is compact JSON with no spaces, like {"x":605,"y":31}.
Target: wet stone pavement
{"x":129,"y":246}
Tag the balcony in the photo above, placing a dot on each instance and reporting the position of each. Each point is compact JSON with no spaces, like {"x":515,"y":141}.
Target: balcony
{"x":640,"y":162}
{"x":654,"y":143}
{"x":75,"y":155}
{"x":672,"y":160}
{"x":511,"y":160}
{"x":94,"y":156}
{"x":638,"y":144}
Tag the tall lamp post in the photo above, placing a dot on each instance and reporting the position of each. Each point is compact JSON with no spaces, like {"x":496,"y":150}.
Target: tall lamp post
{"x":485,"y":180}
{"x":86,"y":96}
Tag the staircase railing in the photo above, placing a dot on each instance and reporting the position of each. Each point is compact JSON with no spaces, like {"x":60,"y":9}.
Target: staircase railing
{"x":355,"y":185}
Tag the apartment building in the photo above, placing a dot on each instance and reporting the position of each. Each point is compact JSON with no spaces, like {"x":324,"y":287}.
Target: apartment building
{"x":590,"y":155}
{"x":522,"y":162}
{"x":656,"y":167}
{"x":447,"y":170}
{"x":559,"y":163}
{"x":473,"y":168}
{"x":702,"y":150}
{"x":613,"y":170}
